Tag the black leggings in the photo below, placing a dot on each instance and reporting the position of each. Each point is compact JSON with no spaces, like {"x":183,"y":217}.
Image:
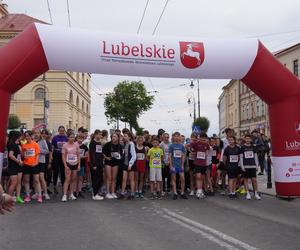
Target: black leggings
{"x":166,"y":174}
{"x":97,"y":179}
{"x":58,"y":168}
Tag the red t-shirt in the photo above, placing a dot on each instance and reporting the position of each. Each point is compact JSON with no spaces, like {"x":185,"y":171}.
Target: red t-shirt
{"x":200,"y":150}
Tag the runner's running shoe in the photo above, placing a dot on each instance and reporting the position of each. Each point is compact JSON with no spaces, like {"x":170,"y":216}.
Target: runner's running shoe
{"x":27,"y":198}
{"x":19,"y":200}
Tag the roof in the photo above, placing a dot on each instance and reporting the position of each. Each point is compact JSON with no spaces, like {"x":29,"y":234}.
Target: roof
{"x":17,"y":22}
{"x":277,"y":53}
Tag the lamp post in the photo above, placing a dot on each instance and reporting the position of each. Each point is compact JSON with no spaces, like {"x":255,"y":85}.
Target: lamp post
{"x":198,"y":89}
{"x":45,"y":101}
{"x":194,"y":103}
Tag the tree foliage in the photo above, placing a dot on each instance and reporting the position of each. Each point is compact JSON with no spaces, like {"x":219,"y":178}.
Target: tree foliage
{"x":127,"y":102}
{"x":203,"y":123}
{"x":14,"y":122}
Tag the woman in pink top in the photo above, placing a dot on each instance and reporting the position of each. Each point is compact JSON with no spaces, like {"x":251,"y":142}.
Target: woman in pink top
{"x":71,"y":161}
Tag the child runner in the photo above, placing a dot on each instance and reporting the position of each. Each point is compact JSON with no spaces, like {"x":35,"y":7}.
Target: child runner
{"x":200,"y":148}
{"x":155,"y":157}
{"x":176,"y":158}
{"x":71,"y":160}
{"x":129,"y":166}
{"x":249,"y":164}
{"x":166,"y":178}
{"x":231,"y":160}
{"x":113,"y":157}
{"x":141,"y":153}
{"x":209,"y":169}
{"x":30,"y":152}
{"x":96,"y":163}
{"x":84,"y":154}
{"x":15,"y":165}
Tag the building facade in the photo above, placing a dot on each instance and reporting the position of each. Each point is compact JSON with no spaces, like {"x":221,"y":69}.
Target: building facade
{"x":252,"y":112}
{"x":55,"y":98}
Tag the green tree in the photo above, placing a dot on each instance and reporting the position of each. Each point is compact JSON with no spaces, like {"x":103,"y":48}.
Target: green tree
{"x":13,"y":122}
{"x":203,"y":123}
{"x":127,"y":102}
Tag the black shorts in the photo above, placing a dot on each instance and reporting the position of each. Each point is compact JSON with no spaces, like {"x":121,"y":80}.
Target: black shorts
{"x":191,"y":165}
{"x":31,"y":169}
{"x":250,"y":173}
{"x":72,"y":167}
{"x":222,"y":166}
{"x":5,"y":172}
{"x":200,"y":169}
{"x":43,"y":167}
{"x":133,"y":168}
{"x":209,"y":168}
{"x":233,"y":172}
{"x":14,"y":170}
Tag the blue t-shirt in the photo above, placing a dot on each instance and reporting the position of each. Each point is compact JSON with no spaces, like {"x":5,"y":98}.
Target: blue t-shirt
{"x":176,"y":151}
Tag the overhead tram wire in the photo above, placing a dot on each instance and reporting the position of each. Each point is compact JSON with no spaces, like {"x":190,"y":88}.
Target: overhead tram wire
{"x":161,"y":15}
{"x":49,"y":10}
{"x":69,"y":17}
{"x":142,"y":19}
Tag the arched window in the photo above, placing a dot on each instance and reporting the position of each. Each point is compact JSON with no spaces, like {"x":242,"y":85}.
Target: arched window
{"x":82,"y":105}
{"x":71,"y":97}
{"x":77,"y":101}
{"x":39,"y":94}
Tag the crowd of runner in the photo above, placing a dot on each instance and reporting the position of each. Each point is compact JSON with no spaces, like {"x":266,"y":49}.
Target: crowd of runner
{"x":124,"y":166}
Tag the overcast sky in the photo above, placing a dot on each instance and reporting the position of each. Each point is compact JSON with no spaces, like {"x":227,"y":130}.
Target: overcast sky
{"x":263,"y":19}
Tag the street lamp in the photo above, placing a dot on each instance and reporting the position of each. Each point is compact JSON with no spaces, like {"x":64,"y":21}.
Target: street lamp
{"x":192,"y":85}
{"x":194,"y":102}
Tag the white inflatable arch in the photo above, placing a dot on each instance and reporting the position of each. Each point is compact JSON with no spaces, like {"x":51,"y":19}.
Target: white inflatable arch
{"x":43,"y":47}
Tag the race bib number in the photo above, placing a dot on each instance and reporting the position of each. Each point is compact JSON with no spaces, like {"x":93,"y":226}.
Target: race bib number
{"x":98,"y":149}
{"x":116,"y":155}
{"x":214,"y":153}
{"x":156,"y":163}
{"x":140,"y":156}
{"x":30,"y":152}
{"x":42,"y":158}
{"x":72,"y":158}
{"x":177,"y":153}
{"x":234,"y":158}
{"x":60,"y":144}
{"x":82,"y":151}
{"x":201,"y":155}
{"x":249,"y":154}
{"x":191,"y":156}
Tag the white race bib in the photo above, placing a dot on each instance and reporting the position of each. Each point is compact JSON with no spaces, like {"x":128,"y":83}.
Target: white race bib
{"x":42,"y":158}
{"x":214,"y":153}
{"x":116,"y":155}
{"x":30,"y":152}
{"x":233,"y":158}
{"x":98,"y":149}
{"x":249,"y":154}
{"x":200,"y":155}
{"x":177,"y":153}
{"x":156,"y":163}
{"x":82,"y":151}
{"x":60,"y":144}
{"x":72,"y":159}
{"x":191,"y":156}
{"x":19,"y":158}
{"x":140,"y":156}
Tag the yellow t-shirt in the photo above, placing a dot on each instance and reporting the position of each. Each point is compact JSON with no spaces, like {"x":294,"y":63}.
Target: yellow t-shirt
{"x":155,"y":156}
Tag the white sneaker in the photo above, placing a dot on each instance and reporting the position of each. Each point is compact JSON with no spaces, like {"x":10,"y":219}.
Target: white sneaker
{"x":47,"y":197}
{"x":109,"y":196}
{"x":202,"y":195}
{"x":248,"y":196}
{"x":35,"y":196}
{"x":192,"y":193}
{"x":257,"y":196}
{"x":64,"y":198}
{"x":114,"y":195}
{"x":98,"y":197}
{"x":72,"y":197}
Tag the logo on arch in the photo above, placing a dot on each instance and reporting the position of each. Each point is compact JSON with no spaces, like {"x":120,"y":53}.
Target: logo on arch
{"x":192,"y":54}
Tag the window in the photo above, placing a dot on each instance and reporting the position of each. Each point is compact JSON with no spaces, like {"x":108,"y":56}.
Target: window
{"x":263,"y":110}
{"x":38,"y":121}
{"x":87,"y":108}
{"x":39,"y":94}
{"x":82,"y":105}
{"x":296,"y":67}
{"x":77,"y":101}
{"x":71,"y":97}
{"x":258,"y":113}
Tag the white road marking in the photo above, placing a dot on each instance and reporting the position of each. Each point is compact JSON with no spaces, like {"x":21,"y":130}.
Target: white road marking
{"x":210,"y":230}
{"x":202,"y":233}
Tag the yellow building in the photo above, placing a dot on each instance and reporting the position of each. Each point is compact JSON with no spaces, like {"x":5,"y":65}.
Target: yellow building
{"x":56,"y":98}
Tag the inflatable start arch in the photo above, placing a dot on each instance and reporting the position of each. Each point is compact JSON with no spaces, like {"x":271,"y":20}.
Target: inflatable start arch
{"x":43,"y":47}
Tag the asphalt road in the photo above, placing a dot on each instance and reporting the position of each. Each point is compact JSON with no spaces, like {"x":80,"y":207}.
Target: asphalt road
{"x":212,"y":223}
